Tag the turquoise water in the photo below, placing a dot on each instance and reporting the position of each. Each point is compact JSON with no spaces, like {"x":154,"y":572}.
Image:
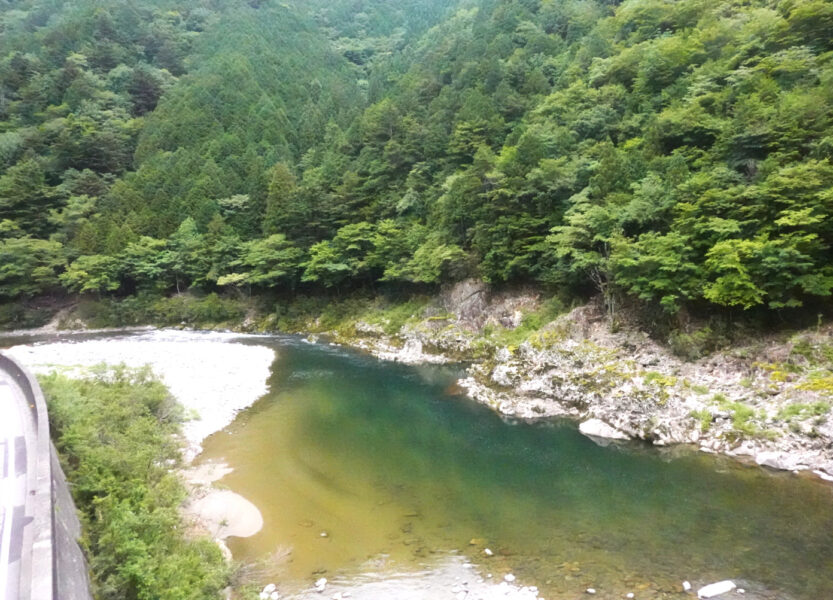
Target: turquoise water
{"x":391,"y":466}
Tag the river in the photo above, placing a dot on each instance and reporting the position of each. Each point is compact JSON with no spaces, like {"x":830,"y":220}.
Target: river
{"x":383,"y":479}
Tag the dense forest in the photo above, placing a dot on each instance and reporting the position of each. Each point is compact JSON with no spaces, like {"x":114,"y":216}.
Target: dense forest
{"x":673,"y":152}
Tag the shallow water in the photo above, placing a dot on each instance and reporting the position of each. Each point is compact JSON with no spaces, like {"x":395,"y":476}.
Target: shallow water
{"x":399,"y":474}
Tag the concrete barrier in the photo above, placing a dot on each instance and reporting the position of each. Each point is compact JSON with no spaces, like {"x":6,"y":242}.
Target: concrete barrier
{"x":53,"y":566}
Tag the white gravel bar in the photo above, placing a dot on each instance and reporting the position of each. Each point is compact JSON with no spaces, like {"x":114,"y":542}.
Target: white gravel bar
{"x":209,"y":373}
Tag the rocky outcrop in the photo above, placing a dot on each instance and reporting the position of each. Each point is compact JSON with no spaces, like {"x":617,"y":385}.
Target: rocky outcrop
{"x":621,"y":384}
{"x":632,"y":386}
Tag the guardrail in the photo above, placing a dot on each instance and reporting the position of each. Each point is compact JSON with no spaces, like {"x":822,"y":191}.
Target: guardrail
{"x":52,"y":564}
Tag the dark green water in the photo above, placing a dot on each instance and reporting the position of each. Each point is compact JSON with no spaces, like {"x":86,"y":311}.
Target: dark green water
{"x":389,"y":464}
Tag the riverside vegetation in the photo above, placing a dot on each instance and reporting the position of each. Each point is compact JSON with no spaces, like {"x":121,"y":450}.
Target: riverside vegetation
{"x":115,"y":434}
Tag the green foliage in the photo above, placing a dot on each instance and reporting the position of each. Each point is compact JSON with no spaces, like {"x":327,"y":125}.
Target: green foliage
{"x":705,"y":419}
{"x":20,"y":315}
{"x":815,"y":352}
{"x":394,"y":317}
{"x":115,"y":434}
{"x":698,"y":342}
{"x":802,"y":411}
{"x":529,"y":328}
{"x":28,"y":266}
{"x":819,"y":382}
{"x":267,"y":262}
{"x":743,"y":417}
{"x":92,"y":273}
{"x":208,"y":311}
{"x":643,"y":149}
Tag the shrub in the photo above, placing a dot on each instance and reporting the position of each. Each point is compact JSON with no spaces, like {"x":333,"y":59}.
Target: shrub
{"x":115,"y":435}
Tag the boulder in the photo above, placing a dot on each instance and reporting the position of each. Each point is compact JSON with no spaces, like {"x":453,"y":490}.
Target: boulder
{"x":776,"y":460}
{"x":599,"y":429}
{"x":714,"y":590}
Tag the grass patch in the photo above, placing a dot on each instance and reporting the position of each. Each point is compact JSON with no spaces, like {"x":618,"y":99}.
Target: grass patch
{"x":704,"y":417}
{"x":659,"y":379}
{"x":394,"y":317}
{"x":802,"y":411}
{"x":743,"y":417}
{"x":114,"y":433}
{"x":816,"y":354}
{"x":818,"y":382}
{"x":528,"y":329}
{"x":691,"y":345}
{"x":317,"y":314}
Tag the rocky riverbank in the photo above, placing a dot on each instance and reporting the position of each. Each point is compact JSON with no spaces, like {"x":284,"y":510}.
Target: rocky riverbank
{"x":767,"y":401}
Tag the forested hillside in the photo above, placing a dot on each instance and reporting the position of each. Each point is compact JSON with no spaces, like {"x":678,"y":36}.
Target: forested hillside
{"x":677,"y":153}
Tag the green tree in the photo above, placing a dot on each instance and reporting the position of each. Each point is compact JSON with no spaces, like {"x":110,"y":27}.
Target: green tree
{"x":29,"y":266}
{"x":266,"y":263}
{"x":281,"y":207}
{"x":93,"y":273}
{"x":186,"y":255}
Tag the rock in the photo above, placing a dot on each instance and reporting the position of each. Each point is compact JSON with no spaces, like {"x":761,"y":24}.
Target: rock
{"x":686,"y":586}
{"x":590,"y":591}
{"x":274,"y":596}
{"x":509,"y":577}
{"x":823,"y":475}
{"x":629,"y":596}
{"x":600,"y":429}
{"x":324,"y":534}
{"x":505,"y":375}
{"x":716,"y":589}
{"x":775,"y":460}
{"x":468,"y":301}
{"x":488,"y":552}
{"x":270,"y":588}
{"x":741,"y":591}
{"x":264,"y":596}
{"x":321,"y":584}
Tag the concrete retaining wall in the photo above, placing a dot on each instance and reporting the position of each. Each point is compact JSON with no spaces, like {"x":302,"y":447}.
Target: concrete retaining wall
{"x":52,"y":560}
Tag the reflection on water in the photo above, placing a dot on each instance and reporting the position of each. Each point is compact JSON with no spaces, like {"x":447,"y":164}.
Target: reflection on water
{"x":351,"y":460}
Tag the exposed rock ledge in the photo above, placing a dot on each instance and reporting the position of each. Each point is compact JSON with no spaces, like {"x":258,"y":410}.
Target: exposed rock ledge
{"x":594,"y":428}
{"x":625,"y":385}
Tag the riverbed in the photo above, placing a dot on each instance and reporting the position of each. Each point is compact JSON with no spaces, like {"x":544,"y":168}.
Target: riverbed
{"x":387,"y":482}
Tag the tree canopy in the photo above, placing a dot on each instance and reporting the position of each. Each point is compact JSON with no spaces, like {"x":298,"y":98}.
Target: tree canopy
{"x":676,"y":152}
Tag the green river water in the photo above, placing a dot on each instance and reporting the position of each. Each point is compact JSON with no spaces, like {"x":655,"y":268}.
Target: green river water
{"x":400,"y":473}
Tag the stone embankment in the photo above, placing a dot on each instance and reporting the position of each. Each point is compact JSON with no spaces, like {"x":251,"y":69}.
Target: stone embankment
{"x":767,"y":402}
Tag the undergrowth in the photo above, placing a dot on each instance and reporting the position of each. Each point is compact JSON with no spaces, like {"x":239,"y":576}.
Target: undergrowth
{"x":115,"y":435}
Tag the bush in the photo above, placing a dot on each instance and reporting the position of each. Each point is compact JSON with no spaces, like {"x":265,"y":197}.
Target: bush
{"x":698,"y":343}
{"x":115,"y":435}
{"x":151,"y":309}
{"x":19,"y":316}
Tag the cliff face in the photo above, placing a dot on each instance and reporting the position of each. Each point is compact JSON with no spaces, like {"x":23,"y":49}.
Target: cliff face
{"x":767,"y":400}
